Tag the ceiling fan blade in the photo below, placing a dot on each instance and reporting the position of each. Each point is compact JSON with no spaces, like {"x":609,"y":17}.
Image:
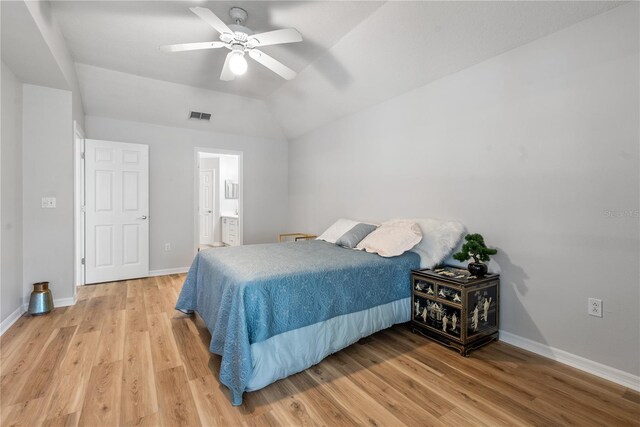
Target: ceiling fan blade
{"x":287,"y":35}
{"x":226,"y":74}
{"x":272,"y":64}
{"x":191,"y":46}
{"x":210,"y":18}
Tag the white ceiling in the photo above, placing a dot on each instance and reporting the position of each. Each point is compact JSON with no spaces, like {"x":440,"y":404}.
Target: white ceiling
{"x":406,"y":45}
{"x":108,"y":93}
{"x":125,"y":36}
{"x":354,"y":55}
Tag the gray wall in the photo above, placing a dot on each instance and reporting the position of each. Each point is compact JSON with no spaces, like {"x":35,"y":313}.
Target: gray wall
{"x":50,"y":30}
{"x":172,"y":163}
{"x":538,"y":149}
{"x":40,"y":162}
{"x":47,"y":166}
{"x":11,"y":194}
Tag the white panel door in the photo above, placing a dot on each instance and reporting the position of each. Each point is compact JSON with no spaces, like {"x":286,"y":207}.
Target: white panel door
{"x":206,"y":206}
{"x":117,"y":211}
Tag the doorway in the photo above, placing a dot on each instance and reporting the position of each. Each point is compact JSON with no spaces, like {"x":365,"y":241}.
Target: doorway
{"x":218,"y":198}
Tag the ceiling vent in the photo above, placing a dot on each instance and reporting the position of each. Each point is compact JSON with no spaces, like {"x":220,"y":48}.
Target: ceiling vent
{"x":199,"y":116}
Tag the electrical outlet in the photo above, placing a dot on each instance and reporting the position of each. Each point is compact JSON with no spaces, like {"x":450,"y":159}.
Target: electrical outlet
{"x":595,"y":307}
{"x":167,"y":247}
{"x":48,"y":202}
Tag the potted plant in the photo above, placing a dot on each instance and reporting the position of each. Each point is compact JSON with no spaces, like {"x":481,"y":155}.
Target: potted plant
{"x":474,"y":248}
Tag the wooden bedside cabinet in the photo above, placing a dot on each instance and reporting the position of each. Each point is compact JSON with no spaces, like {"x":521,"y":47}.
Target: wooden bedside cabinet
{"x":295,"y":236}
{"x":454,"y":308}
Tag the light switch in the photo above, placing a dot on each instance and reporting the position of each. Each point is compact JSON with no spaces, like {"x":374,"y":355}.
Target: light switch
{"x":48,"y":202}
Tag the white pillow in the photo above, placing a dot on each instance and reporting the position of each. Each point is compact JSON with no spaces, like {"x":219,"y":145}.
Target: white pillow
{"x":333,"y":233}
{"x":392,"y":238}
{"x":439,"y":238}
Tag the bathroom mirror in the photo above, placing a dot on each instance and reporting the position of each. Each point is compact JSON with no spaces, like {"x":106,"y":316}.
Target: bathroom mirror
{"x":231,"y":189}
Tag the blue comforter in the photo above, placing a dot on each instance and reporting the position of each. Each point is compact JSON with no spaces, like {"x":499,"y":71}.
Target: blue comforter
{"x":248,"y":294}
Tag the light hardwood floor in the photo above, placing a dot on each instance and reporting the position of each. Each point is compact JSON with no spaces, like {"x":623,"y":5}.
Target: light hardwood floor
{"x":123,"y":356}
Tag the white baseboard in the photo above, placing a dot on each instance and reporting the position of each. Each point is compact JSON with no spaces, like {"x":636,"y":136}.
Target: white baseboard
{"x":167,"y":271}
{"x":64,"y":302}
{"x":11,"y":319}
{"x":607,"y":372}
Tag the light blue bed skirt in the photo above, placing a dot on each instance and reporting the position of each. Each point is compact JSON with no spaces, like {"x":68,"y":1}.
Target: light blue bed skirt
{"x":294,"y":351}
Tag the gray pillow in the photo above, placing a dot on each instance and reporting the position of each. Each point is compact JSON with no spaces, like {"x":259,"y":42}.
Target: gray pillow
{"x":351,"y":238}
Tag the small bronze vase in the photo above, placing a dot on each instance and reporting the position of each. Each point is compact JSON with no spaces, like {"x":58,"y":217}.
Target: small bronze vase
{"x":41,"y":301}
{"x":477,"y":269}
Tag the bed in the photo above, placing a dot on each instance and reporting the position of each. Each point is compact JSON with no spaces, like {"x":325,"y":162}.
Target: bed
{"x":277,"y":309}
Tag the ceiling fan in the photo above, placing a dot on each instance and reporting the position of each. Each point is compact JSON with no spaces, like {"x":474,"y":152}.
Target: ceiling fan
{"x":240,"y":40}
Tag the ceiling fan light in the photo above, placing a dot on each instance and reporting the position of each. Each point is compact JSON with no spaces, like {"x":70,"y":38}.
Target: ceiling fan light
{"x":238,"y":64}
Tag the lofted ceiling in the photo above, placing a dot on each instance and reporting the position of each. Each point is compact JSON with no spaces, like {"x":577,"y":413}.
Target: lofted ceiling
{"x":108,"y":93}
{"x":406,"y":45}
{"x":354,"y":54}
{"x":125,"y":36}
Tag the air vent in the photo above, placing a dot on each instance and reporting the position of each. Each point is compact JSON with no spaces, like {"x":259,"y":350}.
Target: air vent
{"x":199,"y":116}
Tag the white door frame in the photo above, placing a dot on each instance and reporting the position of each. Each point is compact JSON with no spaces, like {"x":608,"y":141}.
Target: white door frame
{"x":78,"y":206}
{"x":196,"y":186}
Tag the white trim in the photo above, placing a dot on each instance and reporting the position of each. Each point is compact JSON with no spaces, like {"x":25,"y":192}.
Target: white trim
{"x":196,"y":185}
{"x":603,"y":371}
{"x":12,"y":318}
{"x":64,"y":302}
{"x":78,"y":201}
{"x":167,"y":271}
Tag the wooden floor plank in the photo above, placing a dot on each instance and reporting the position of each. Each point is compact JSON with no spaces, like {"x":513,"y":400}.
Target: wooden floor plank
{"x":177,"y":406}
{"x":284,"y":402}
{"x":95,"y":314}
{"x":20,"y":353}
{"x":193,"y":358}
{"x":152,"y":299}
{"x":152,"y":420}
{"x":17,"y":333}
{"x":163,"y":344}
{"x":331,"y":412}
{"x":102,"y":401}
{"x":353,"y":399}
{"x":75,"y":314}
{"x":68,"y":420}
{"x":41,"y":377}
{"x":138,"y":380}
{"x":136,"y":319}
{"x":74,"y":374}
{"x":123,"y":356}
{"x":25,"y":414}
{"x":400,"y":405}
{"x":212,"y":404}
{"x":111,"y":347}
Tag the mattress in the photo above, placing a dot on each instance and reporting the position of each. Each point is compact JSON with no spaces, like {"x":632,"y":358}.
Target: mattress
{"x":261,"y":302}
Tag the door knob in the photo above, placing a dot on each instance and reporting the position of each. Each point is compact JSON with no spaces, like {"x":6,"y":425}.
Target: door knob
{"x":142,"y":217}
{"x":210,"y":211}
